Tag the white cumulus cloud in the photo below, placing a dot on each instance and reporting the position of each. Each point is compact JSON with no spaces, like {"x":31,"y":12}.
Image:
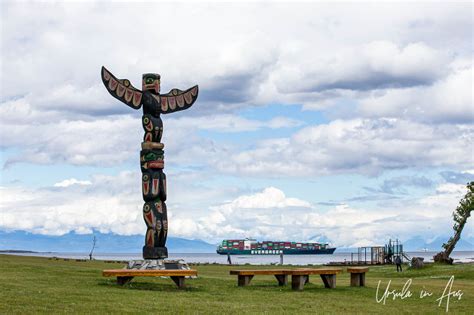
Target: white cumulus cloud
{"x":113,"y":204}
{"x":366,"y":146}
{"x":72,"y":181}
{"x":449,"y":99}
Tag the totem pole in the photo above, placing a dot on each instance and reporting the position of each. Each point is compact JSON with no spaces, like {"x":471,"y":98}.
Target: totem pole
{"x":152,"y":154}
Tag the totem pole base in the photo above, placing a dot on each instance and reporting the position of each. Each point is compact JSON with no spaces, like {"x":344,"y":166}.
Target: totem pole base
{"x":157,"y":264}
{"x":155,"y":252}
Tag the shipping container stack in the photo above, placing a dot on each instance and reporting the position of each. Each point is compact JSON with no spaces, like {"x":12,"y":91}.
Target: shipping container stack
{"x":250,"y":246}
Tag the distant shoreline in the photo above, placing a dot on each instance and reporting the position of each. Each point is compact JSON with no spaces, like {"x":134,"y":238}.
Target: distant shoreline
{"x":186,"y":252}
{"x":201,"y":258}
{"x":19,"y":253}
{"x":11,"y":251}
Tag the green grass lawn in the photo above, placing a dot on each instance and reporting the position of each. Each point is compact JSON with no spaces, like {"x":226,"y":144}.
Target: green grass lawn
{"x":41,"y":285}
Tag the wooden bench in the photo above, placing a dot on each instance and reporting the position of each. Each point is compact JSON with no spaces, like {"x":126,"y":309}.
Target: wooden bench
{"x":126,"y":275}
{"x":357,"y":276}
{"x":245,"y":276}
{"x":299,"y":277}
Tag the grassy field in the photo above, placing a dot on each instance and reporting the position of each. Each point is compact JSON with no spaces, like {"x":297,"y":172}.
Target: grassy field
{"x":41,"y":285}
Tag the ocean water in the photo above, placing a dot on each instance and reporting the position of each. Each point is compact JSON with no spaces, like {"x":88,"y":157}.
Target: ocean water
{"x":458,"y":256}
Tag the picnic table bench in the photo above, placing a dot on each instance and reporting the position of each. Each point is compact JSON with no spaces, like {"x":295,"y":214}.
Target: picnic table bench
{"x":357,"y":276}
{"x":299,"y":277}
{"x":245,"y":276}
{"x":126,"y":275}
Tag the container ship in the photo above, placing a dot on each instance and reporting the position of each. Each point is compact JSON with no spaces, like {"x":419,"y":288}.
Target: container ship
{"x":252,"y":247}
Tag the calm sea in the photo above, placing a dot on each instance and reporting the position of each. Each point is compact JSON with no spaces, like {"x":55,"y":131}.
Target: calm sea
{"x":458,"y":256}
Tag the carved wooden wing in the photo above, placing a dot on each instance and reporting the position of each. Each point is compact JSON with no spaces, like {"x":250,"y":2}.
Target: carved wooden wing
{"x":121,"y":89}
{"x":177,"y":100}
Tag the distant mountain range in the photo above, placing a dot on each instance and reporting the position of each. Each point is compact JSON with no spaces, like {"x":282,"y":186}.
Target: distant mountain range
{"x":417,"y":243}
{"x":113,"y":243}
{"x":106,"y":243}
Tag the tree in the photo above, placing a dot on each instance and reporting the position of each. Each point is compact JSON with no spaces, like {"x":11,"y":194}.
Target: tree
{"x":460,"y":215}
{"x":94,"y":240}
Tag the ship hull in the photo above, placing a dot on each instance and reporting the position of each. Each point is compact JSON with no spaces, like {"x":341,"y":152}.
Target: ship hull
{"x":252,"y":252}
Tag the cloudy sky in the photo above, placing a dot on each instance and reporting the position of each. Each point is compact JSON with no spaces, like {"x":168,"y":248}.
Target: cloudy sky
{"x":351,"y":123}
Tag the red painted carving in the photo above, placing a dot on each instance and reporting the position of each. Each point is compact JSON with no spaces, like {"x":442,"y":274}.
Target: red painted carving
{"x":172,"y":102}
{"x":164,"y":103}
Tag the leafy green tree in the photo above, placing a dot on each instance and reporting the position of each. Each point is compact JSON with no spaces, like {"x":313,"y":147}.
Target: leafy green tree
{"x":460,"y":215}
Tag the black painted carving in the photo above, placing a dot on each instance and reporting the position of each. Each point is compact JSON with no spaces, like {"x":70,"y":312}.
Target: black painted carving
{"x":152,"y":153}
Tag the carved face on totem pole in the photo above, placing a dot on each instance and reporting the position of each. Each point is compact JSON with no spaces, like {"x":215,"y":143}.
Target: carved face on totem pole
{"x":151,"y":82}
{"x":152,"y":154}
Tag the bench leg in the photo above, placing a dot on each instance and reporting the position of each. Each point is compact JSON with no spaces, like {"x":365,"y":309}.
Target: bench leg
{"x":362,"y":279}
{"x":297,"y":282}
{"x":357,"y":279}
{"x":179,"y":282}
{"x":282,"y":279}
{"x":329,"y":281}
{"x":243,"y":280}
{"x":123,"y":280}
{"x":307,"y":279}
